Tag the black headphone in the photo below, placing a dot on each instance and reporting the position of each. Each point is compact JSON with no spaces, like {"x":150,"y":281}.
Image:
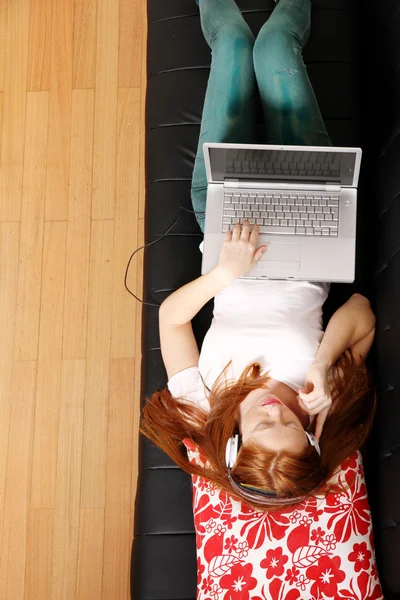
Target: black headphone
{"x":250,"y":493}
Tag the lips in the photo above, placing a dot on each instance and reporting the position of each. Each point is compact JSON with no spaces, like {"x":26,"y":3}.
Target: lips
{"x":269,"y":401}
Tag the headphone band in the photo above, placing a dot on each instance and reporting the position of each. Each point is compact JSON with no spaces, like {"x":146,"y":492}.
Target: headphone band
{"x":234,"y":443}
{"x":250,"y":493}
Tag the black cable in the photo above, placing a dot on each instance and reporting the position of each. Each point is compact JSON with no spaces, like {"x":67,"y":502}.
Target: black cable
{"x":153,"y":242}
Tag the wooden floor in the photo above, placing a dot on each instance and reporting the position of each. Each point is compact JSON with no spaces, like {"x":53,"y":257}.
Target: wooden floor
{"x":72,"y":83}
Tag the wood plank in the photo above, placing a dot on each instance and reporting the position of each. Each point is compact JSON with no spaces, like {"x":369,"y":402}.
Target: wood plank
{"x":126,"y":215}
{"x":68,"y":484}
{"x":139,"y":288}
{"x":117,"y":541}
{"x":79,"y":209}
{"x":143,"y":84}
{"x":136,"y":420}
{"x":3,"y":43}
{"x":44,"y":463}
{"x":130,"y":43}
{"x":39,"y":58}
{"x":32,"y":215}
{"x":91,"y":548}
{"x":39,"y":553}
{"x":85,"y":32}
{"x":9,"y":249}
{"x":60,"y":109}
{"x":105,"y":128}
{"x":13,"y":131}
{"x":98,"y":365}
{"x":13,"y":556}
{"x":1,"y":114}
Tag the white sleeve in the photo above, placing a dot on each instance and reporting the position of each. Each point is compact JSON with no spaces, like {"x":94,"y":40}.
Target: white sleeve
{"x":188,"y":385}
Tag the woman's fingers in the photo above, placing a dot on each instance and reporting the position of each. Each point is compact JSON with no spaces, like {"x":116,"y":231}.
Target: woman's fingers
{"x":318,"y":409}
{"x":315,"y":409}
{"x":318,"y":403}
{"x":319,"y":422}
{"x":236,"y":232}
{"x":242,"y":231}
{"x":311,"y":396}
{"x":302,"y":405}
{"x":315,"y":401}
{"x":245,"y":230}
{"x":254,"y":234}
{"x":258,"y":254}
{"x":228,"y":235}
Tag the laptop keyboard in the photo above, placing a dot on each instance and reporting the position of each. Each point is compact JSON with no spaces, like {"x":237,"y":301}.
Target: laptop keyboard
{"x":283,"y":213}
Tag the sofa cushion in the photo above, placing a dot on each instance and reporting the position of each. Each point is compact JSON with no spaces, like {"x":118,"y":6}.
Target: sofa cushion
{"x":321,"y":548}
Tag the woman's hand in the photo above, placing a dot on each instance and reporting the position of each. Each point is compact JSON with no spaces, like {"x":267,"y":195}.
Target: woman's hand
{"x":239,"y":252}
{"x":315,"y":397}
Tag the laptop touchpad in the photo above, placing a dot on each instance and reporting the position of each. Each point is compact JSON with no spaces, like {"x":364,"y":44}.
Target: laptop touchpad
{"x":280,"y":256}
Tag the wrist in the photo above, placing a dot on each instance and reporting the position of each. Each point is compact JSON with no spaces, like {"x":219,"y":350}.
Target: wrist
{"x":224,"y":276}
{"x":323,"y":362}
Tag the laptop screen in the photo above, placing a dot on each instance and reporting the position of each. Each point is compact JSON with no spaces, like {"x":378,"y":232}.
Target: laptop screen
{"x":291,"y":165}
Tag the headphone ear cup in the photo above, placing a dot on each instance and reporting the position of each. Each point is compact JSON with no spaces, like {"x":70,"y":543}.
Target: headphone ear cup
{"x":231,"y":452}
{"x":228,"y":452}
{"x":314,"y":442}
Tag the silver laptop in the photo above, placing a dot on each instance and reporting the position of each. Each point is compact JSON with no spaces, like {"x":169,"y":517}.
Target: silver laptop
{"x":304,"y":199}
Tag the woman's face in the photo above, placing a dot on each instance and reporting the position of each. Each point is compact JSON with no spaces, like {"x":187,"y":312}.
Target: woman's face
{"x":265,"y":420}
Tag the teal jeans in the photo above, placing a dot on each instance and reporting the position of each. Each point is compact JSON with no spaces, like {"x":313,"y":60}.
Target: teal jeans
{"x":241,"y":67}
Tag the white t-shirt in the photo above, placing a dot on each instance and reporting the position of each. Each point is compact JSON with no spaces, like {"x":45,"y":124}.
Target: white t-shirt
{"x":273,"y":322}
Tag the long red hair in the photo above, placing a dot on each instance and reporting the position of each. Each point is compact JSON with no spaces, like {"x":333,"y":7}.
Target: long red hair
{"x":166,"y":421}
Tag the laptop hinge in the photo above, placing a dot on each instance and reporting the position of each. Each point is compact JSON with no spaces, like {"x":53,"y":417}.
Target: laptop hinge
{"x":269,"y":185}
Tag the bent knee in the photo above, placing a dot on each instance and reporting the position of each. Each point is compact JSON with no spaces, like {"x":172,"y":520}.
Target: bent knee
{"x":273,"y":40}
{"x":235,"y":34}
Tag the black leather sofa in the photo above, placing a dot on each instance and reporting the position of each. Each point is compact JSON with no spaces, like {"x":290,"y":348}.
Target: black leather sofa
{"x":353,"y":60}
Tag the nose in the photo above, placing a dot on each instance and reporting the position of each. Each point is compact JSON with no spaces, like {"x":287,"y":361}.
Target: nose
{"x":275,"y":412}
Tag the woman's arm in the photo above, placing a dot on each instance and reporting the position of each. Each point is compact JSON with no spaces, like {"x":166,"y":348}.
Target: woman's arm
{"x":238,"y":255}
{"x":350,"y":324}
{"x":181,"y":306}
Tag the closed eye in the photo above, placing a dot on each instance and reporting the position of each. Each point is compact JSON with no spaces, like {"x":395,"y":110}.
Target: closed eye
{"x":263,"y":426}
{"x":266,"y":425}
{"x":293,"y":424}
